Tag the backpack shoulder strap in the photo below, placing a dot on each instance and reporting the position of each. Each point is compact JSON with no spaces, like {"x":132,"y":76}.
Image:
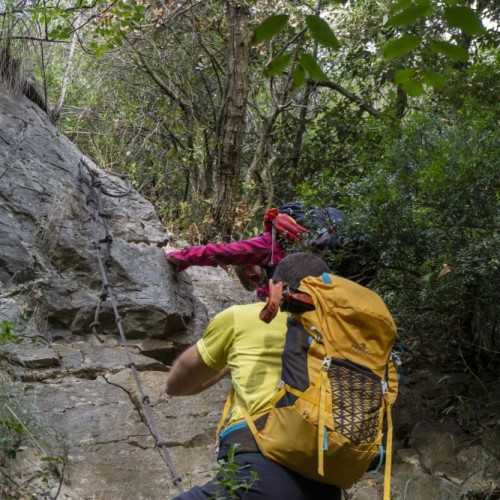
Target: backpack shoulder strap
{"x":246,"y":415}
{"x":225,"y":412}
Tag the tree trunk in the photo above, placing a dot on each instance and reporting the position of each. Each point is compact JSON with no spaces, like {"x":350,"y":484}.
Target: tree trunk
{"x":301,"y":130}
{"x":56,"y":112}
{"x":227,"y":174}
{"x":299,"y":137}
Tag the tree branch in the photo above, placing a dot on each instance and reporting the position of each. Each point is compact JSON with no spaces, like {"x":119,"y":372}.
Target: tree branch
{"x":163,"y":85}
{"x":349,"y":95}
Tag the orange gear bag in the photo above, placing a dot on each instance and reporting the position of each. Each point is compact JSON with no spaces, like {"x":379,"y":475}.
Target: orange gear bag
{"x":285,"y":225}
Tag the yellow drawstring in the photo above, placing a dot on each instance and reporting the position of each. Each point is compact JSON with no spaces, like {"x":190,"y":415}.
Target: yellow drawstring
{"x":388,"y":456}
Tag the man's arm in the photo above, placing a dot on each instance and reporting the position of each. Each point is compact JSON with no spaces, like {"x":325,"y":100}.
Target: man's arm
{"x":190,"y":375}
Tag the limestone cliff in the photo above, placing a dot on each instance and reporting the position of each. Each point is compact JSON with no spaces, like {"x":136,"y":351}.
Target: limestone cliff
{"x":85,"y":397}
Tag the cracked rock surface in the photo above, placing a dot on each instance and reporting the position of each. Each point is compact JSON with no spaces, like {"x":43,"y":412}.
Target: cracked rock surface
{"x":76,"y":382}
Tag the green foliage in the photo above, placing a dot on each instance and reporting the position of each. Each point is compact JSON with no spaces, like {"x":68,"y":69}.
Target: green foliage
{"x":318,"y":30}
{"x":433,"y":79}
{"x":321,"y":32}
{"x":407,"y":18}
{"x":22,"y":434}
{"x":228,"y":478}
{"x":435,"y":222}
{"x":112,"y":27}
{"x":11,"y":429}
{"x":410,"y":14}
{"x":401,"y":46}
{"x":428,"y":202}
{"x":61,"y":32}
{"x":313,"y":69}
{"x":298,"y":76}
{"x":269,"y":28}
{"x":308,"y":62}
{"x":418,"y":38}
{"x":107,"y":23}
{"x":278,"y":64}
{"x":23,"y":437}
{"x":450,"y":50}
{"x":7,"y":333}
{"x":464,"y":18}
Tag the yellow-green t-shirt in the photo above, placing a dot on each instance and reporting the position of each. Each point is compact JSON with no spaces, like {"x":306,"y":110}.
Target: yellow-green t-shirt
{"x":251,"y":348}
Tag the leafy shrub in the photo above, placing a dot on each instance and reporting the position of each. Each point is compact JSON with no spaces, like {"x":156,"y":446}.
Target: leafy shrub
{"x":428,"y":203}
{"x":430,"y":206}
{"x":228,"y":478}
{"x":7,"y":333}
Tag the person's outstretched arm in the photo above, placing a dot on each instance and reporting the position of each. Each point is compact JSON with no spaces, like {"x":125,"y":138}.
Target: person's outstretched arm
{"x":190,"y":375}
{"x":252,"y":251}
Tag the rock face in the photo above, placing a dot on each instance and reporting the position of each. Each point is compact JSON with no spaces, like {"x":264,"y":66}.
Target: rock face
{"x":89,"y":435}
{"x":45,"y":234}
{"x":87,"y":403}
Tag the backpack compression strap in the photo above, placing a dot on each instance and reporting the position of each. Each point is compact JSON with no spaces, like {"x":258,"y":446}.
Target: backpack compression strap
{"x":390,"y":396}
{"x":388,"y":458}
{"x":322,"y":436}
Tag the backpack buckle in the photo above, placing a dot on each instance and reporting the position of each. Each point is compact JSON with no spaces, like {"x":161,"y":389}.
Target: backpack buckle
{"x":319,"y":336}
{"x":396,"y":358}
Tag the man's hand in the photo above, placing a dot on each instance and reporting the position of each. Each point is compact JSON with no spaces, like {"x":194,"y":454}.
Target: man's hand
{"x":190,"y":375}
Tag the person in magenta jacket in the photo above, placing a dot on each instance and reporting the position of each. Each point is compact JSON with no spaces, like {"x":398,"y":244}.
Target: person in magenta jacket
{"x":259,"y":250}
{"x":264,"y":250}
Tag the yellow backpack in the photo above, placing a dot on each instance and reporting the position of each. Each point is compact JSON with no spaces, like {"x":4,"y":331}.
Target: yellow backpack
{"x":339,"y":380}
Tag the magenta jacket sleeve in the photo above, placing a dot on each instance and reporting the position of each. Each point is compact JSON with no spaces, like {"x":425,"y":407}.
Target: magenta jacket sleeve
{"x":252,"y":251}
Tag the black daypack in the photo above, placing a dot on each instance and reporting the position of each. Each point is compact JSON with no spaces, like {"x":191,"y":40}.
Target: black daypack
{"x":325,"y":224}
{"x":331,"y":231}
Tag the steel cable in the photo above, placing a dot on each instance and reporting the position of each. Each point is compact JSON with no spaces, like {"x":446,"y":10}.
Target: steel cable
{"x":92,"y":189}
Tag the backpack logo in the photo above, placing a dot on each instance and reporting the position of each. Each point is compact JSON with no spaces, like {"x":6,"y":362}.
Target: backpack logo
{"x":362,"y":349}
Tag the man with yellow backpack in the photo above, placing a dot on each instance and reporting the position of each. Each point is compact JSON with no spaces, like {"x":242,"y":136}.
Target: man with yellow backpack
{"x":311,"y":384}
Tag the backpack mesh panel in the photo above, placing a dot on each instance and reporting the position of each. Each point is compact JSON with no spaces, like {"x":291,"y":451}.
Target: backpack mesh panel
{"x":356,"y":400}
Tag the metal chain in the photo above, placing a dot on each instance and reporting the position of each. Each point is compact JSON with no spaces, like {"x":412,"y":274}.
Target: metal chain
{"x":92,"y":189}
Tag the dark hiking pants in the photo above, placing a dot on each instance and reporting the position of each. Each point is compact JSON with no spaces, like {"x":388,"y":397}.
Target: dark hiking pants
{"x":273,"y":482}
